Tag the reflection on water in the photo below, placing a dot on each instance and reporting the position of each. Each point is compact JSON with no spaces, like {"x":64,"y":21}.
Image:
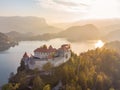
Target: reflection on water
{"x":10,"y":59}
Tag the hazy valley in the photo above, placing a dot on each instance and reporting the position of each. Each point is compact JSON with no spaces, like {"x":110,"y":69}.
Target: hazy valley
{"x":94,"y":44}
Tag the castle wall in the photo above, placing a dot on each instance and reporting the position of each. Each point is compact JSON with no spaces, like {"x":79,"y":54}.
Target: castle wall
{"x":39,"y":63}
{"x":42,"y":55}
{"x":60,"y":60}
{"x":40,"y":58}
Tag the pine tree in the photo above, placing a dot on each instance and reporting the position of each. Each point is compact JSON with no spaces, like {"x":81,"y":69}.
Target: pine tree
{"x":37,"y":83}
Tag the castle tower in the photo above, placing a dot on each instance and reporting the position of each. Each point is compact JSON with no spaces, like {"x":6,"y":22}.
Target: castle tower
{"x":25,"y":58}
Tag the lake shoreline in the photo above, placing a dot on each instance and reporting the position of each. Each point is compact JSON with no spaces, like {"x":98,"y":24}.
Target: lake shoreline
{"x":7,"y":46}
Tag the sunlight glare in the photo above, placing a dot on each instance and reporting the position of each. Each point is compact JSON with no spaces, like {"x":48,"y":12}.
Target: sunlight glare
{"x":99,"y":44}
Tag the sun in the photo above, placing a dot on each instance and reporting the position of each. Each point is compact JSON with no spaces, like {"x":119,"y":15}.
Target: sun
{"x":99,"y":44}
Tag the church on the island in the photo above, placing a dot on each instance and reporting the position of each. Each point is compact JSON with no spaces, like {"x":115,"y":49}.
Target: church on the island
{"x":46,"y":54}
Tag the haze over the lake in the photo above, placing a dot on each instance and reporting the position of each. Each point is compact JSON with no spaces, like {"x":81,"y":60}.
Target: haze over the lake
{"x":61,"y":10}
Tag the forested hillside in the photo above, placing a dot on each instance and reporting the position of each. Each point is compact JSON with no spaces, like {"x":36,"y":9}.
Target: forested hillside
{"x":93,"y":70}
{"x":6,"y":42}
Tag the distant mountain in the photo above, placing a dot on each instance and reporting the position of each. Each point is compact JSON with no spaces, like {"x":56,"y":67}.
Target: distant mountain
{"x":19,"y":36}
{"x":115,"y":45}
{"x":96,"y":22}
{"x":99,"y":22}
{"x":6,"y":42}
{"x":26,"y":24}
{"x":111,"y":28}
{"x":74,"y":33}
{"x":80,"y":33}
{"x":112,"y":36}
{"x":104,"y":25}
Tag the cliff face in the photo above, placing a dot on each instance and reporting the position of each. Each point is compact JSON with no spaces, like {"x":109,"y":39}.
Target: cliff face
{"x":6,"y":42}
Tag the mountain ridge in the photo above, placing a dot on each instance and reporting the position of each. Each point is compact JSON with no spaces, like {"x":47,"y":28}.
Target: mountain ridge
{"x":26,"y":24}
{"x":79,"y":33}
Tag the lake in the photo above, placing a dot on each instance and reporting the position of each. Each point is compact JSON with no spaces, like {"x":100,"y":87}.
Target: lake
{"x":10,"y":59}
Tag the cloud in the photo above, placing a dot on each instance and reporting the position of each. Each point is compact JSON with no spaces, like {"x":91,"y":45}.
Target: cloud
{"x":65,"y":5}
{"x":83,"y":9}
{"x":105,"y":9}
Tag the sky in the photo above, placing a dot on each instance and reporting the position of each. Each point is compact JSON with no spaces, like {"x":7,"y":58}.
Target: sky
{"x":61,"y":10}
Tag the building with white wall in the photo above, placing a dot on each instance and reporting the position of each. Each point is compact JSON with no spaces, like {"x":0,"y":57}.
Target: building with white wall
{"x":46,"y":54}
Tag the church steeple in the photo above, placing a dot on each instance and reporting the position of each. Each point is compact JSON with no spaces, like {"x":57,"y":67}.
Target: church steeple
{"x":25,"y":55}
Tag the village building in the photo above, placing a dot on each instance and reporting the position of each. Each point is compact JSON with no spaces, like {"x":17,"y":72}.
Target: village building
{"x":46,"y":54}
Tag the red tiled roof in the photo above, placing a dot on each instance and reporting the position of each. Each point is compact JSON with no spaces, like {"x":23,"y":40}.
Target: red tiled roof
{"x":45,"y":50}
{"x":51,"y":49}
{"x":25,"y":55}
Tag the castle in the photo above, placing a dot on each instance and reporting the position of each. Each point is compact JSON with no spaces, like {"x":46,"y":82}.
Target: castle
{"x":46,"y":54}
